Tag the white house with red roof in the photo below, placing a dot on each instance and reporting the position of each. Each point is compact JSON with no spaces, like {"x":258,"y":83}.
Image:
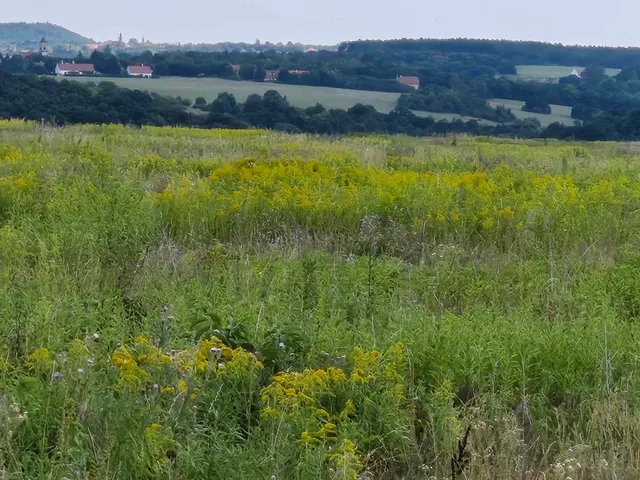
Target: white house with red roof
{"x":409,"y":81}
{"x":75,"y":69}
{"x":144,"y":71}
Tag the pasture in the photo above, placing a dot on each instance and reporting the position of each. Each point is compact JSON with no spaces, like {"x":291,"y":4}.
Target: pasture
{"x":217,"y":304}
{"x":551,"y":72}
{"x":298,"y":96}
{"x":559,"y":113}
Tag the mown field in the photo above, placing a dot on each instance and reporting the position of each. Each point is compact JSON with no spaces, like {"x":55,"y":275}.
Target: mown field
{"x":450,"y":117}
{"x":552,"y":72}
{"x":298,"y":95}
{"x":559,"y":113}
{"x":217,"y":304}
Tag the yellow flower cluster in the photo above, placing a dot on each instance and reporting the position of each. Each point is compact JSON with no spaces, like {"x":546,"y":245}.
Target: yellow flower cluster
{"x":319,"y":401}
{"x":144,"y":364}
{"x":336,"y":193}
{"x":40,"y":361}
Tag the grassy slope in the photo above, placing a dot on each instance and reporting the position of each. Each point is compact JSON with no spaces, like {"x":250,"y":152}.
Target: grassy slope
{"x":559,"y":113}
{"x":551,"y":72}
{"x":299,"y":96}
{"x":509,"y":271}
{"x":451,"y":116}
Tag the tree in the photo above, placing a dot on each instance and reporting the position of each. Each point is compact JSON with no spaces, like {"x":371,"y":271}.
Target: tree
{"x":537,"y":105}
{"x":200,"y":103}
{"x":259,"y":74}
{"x":247,"y":72}
{"x":583,"y":112}
{"x":225,"y":103}
{"x":106,"y":63}
{"x":593,"y":74}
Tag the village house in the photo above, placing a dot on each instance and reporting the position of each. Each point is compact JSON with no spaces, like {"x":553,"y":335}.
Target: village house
{"x":236,"y":69}
{"x":577,"y":72}
{"x":299,"y":72}
{"x":144,"y":71}
{"x":413,"y":82}
{"x":271,"y":75}
{"x":66,"y":69}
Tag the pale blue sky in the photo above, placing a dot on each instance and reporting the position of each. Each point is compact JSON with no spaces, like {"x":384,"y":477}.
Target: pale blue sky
{"x":591,"y":22}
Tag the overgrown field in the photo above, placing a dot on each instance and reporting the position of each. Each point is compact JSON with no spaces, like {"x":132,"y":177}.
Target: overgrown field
{"x":298,"y":95}
{"x":214,"y":304}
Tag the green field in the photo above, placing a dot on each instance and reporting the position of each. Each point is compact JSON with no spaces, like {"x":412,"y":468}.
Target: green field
{"x":451,"y":117}
{"x":559,"y":113}
{"x":551,"y":72}
{"x":299,"y":96}
{"x":208,"y":304}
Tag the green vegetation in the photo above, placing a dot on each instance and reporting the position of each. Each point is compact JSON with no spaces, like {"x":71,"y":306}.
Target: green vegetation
{"x":298,"y":95}
{"x":213,"y":304}
{"x":559,"y":113}
{"x":552,"y":72}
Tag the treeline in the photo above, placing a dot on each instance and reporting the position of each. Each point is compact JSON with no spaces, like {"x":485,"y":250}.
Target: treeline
{"x":456,"y":76}
{"x":34,"y":98}
{"x":514,"y":52}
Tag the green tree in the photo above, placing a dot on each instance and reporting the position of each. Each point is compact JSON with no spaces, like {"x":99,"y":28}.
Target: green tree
{"x":225,"y":103}
{"x":247,"y":72}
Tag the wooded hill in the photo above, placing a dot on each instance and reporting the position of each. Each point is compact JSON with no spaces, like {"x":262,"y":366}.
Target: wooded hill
{"x":27,"y":35}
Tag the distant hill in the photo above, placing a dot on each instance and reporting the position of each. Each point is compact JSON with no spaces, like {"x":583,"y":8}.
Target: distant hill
{"x":27,"y":35}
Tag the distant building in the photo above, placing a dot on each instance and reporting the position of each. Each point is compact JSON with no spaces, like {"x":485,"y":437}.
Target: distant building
{"x":271,"y":75}
{"x":75,"y":69}
{"x":144,"y":71}
{"x":299,"y":72}
{"x":236,"y":70}
{"x":44,"y":47}
{"x":409,"y":81}
{"x":577,"y":72}
{"x":311,"y":50}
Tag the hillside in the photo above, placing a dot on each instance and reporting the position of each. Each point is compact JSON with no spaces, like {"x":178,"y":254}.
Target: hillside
{"x":28,"y":34}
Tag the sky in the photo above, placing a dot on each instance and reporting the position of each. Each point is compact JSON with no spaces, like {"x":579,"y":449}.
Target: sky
{"x":327,"y":22}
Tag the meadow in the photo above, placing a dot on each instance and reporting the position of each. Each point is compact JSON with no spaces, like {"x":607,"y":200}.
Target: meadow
{"x":298,"y":95}
{"x":552,"y":72}
{"x":246,"y":304}
{"x":559,"y":113}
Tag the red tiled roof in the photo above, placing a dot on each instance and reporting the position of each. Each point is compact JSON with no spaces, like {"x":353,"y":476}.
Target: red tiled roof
{"x":77,"y":67}
{"x":236,"y":68}
{"x":141,"y":69}
{"x":411,"y":81}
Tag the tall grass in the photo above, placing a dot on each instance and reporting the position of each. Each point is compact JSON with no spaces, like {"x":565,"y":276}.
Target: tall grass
{"x":191,"y":304}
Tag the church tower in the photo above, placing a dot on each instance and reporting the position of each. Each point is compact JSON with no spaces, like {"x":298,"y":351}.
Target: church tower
{"x":44,"y":47}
